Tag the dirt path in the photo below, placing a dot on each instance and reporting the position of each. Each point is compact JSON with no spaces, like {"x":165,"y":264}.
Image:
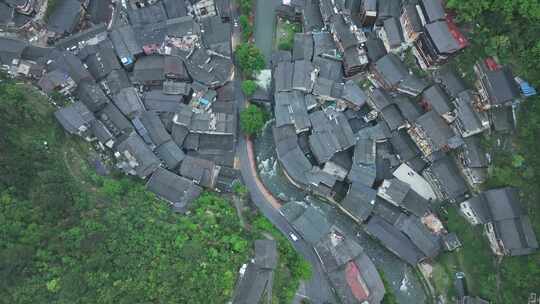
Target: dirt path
{"x":238,"y":204}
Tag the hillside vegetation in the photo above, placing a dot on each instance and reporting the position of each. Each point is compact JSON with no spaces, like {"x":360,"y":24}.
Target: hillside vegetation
{"x":510,"y":31}
{"x":69,"y":235}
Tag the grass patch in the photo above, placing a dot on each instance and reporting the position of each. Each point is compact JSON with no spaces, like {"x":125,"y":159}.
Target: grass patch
{"x":285,"y":34}
{"x":474,"y":259}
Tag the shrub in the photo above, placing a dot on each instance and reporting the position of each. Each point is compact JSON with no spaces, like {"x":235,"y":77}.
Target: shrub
{"x":252,"y":120}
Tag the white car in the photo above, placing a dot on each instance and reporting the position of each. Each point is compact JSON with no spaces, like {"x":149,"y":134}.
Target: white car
{"x":293,"y":237}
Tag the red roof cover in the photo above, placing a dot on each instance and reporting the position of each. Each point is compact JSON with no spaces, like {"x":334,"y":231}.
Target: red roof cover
{"x":456,"y":33}
{"x":491,"y":64}
{"x":356,"y":283}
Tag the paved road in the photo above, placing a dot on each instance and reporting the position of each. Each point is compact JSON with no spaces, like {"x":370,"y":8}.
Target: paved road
{"x":318,"y":289}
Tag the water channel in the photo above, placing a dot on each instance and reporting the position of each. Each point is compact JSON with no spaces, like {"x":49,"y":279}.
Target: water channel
{"x":403,"y":281}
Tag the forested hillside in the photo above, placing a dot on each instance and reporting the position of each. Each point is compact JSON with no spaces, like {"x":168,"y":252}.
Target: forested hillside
{"x":71,"y":236}
{"x":510,"y":31}
{"x":68,"y":235}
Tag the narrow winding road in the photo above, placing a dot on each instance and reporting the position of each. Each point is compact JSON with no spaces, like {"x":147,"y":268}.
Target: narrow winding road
{"x":318,"y":289}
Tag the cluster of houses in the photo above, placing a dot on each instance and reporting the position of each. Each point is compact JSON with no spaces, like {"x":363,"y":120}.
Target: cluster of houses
{"x":17,"y":13}
{"x":388,"y":152}
{"x":155,"y":92}
{"x":352,"y":273}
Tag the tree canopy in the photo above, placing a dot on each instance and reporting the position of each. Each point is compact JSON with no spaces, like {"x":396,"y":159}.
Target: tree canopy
{"x":246,"y":6}
{"x":246,"y":26}
{"x":510,"y":31}
{"x":252,"y":119}
{"x":250,"y":58}
{"x":249,"y":87}
{"x":71,"y":236}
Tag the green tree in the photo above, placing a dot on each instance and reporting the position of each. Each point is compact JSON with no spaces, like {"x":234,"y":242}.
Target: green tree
{"x":246,"y":6}
{"x":239,"y":189}
{"x":250,"y":58}
{"x":247,"y":27}
{"x":286,"y":41}
{"x":252,"y":119}
{"x":249,"y":87}
{"x":69,"y":238}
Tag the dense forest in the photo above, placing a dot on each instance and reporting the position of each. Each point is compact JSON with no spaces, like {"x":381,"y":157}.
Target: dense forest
{"x":509,"y":30}
{"x":69,"y":235}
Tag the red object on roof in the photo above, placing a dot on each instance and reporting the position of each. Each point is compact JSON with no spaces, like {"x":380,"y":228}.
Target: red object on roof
{"x":491,"y":64}
{"x":356,"y":283}
{"x":456,"y":33}
{"x":150,"y":49}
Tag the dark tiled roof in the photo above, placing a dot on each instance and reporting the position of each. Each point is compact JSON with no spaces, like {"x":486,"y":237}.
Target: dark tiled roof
{"x":149,"y":69}
{"x":500,"y":84}
{"x":156,"y":100}
{"x":471,"y":121}
{"x":448,"y":79}
{"x":502,"y":119}
{"x":175,"y":9}
{"x":394,"y":240}
{"x":450,"y":179}
{"x":11,"y":49}
{"x":409,"y":109}
{"x":200,"y":170}
{"x":474,"y":152}
{"x":329,"y":68}
{"x":375,"y":47}
{"x":171,"y":154}
{"x":92,"y":96}
{"x":437,"y":130}
{"x":428,"y":243}
{"x":115,"y":121}
{"x":312,"y":225}
{"x":404,"y":146}
{"x":393,"y":32}
{"x":433,"y":9}
{"x":359,"y":201}
{"x":117,"y":80}
{"x":392,"y":116}
{"x":74,"y":116}
{"x":128,"y":102}
{"x":380,"y":99}
{"x":147,"y":161}
{"x":353,"y":94}
{"x":155,"y":128}
{"x":302,"y":79}
{"x":303,"y":47}
{"x":148,"y":14}
{"x":180,"y":191}
{"x":443,"y":40}
{"x":391,"y":69}
{"x":437,"y":99}
{"x":65,"y":17}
